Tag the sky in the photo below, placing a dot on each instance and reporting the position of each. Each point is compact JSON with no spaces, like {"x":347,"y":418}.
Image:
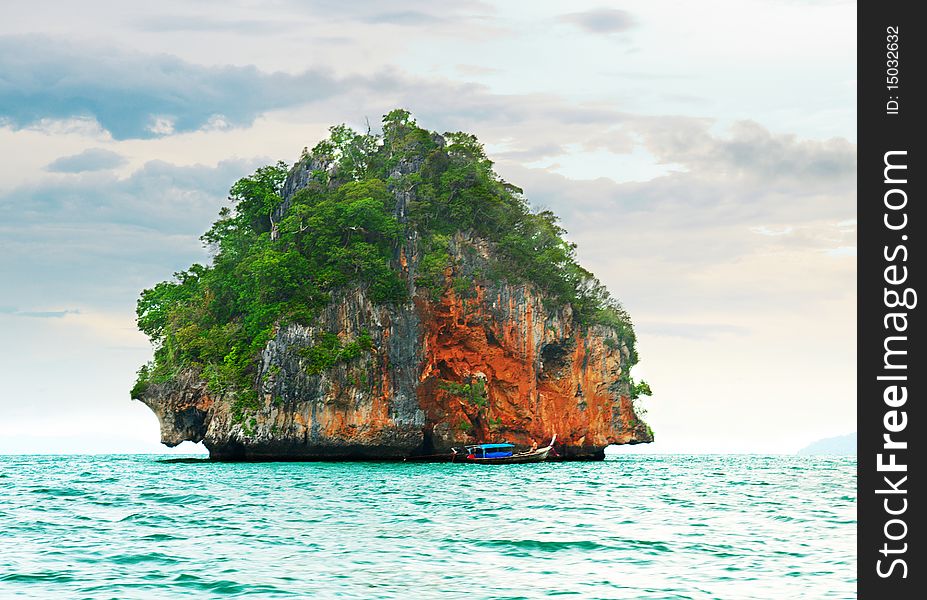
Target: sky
{"x":701,"y":155}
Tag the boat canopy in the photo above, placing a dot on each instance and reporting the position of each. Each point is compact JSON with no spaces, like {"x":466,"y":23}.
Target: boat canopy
{"x":490,"y":450}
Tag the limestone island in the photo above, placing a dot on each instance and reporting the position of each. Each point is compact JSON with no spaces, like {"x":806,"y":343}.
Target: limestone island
{"x":387,"y":297}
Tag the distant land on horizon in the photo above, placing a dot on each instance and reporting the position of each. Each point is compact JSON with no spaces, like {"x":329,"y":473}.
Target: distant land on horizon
{"x":840,"y":445}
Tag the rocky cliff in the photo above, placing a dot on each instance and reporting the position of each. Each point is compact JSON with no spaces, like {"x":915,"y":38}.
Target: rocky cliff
{"x":473,"y":359}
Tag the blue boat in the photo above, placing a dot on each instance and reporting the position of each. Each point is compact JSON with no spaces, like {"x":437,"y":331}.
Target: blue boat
{"x":499,"y":454}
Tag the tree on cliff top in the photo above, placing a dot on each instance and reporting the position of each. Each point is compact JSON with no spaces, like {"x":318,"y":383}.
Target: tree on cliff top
{"x":280,"y":261}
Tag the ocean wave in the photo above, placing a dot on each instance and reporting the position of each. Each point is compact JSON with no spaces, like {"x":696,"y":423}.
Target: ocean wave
{"x":638,"y":527}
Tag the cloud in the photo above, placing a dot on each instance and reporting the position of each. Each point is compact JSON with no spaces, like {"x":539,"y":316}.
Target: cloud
{"x":402,"y":12}
{"x":765,"y":222}
{"x":601,"y":20}
{"x":92,"y":159}
{"x":304,"y":13}
{"x":474,"y":70}
{"x":202,"y":23}
{"x":745,"y":176}
{"x":135,"y":95}
{"x":749,"y":149}
{"x":692,"y":331}
{"x":410,"y":18}
{"x":531,"y":126}
{"x":95,"y":239}
{"x":39,"y":314}
{"x":158,"y":196}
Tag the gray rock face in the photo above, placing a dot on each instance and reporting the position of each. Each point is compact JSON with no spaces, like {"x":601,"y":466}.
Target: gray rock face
{"x":182,"y":407}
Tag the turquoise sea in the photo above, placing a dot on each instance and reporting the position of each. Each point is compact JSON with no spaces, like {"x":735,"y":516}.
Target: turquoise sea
{"x":634,"y":526}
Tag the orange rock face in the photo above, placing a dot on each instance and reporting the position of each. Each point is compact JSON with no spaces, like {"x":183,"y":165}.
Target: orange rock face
{"x":537,"y":374}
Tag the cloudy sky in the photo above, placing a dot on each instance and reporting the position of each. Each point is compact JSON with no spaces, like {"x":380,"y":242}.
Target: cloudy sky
{"x":702,"y":155}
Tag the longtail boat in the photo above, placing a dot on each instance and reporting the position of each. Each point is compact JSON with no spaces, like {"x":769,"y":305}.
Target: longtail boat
{"x":500,"y":454}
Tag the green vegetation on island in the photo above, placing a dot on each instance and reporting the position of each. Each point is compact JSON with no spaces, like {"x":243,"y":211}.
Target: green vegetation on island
{"x":272,"y":266}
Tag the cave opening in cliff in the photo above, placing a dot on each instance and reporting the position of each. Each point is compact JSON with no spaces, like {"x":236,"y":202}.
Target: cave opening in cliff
{"x":553,"y":357}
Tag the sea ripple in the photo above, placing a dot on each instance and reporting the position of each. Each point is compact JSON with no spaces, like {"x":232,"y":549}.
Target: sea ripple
{"x":634,"y":526}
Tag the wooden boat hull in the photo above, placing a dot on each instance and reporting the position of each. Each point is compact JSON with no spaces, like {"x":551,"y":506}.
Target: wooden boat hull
{"x":538,"y":455}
